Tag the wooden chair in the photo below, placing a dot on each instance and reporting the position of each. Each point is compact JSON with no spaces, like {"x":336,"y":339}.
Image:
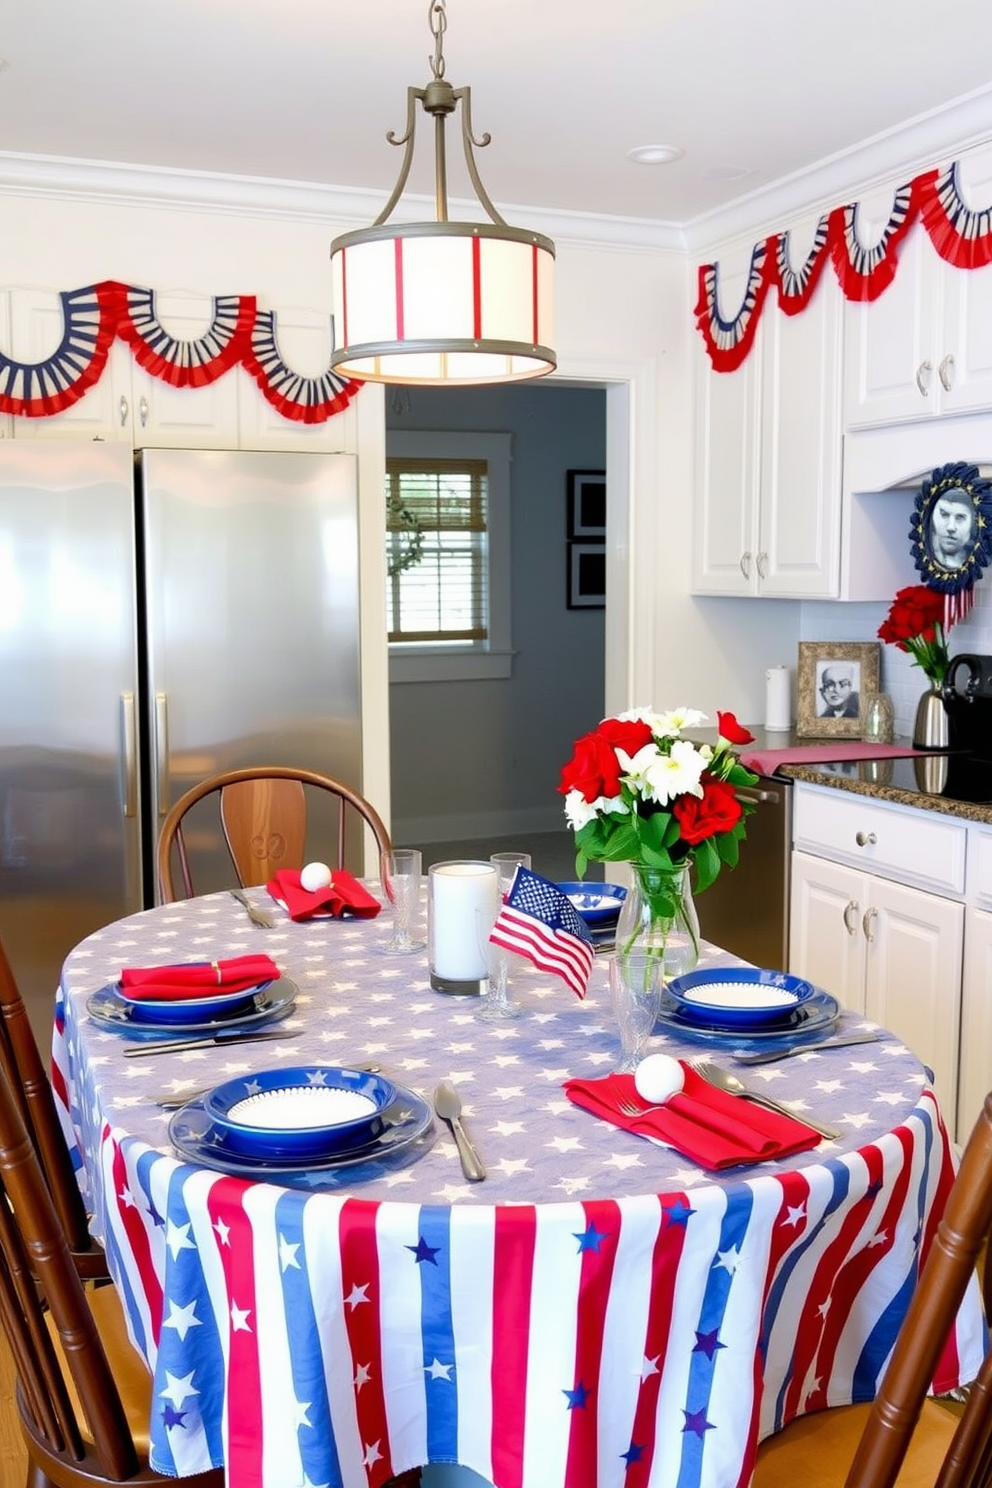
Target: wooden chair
{"x":83,"y":1393}
{"x":21,"y":1063}
{"x":902,"y":1437}
{"x":263,"y":812}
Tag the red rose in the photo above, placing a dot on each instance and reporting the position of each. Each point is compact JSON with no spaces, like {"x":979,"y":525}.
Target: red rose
{"x":626,"y":734}
{"x":717,"y":811}
{"x":732,"y":731}
{"x":914,"y":613}
{"x":593,"y":769}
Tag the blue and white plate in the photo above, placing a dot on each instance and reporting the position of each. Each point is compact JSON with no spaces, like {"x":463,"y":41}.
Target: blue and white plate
{"x":408,"y":1132}
{"x":740,"y":997}
{"x":186,"y":1010}
{"x":273,"y":1000}
{"x":310,"y":1111}
{"x":812,"y":1020}
{"x":598,"y":903}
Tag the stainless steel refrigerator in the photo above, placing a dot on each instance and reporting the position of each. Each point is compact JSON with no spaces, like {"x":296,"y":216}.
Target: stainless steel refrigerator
{"x":161,"y":618}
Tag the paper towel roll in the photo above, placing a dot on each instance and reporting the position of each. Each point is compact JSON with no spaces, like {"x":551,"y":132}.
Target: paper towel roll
{"x":778,"y":698}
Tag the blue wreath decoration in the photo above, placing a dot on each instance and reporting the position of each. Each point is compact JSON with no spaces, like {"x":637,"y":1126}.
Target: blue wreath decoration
{"x":972,"y":489}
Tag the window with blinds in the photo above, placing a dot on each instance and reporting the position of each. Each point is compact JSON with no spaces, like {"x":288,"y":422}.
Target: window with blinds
{"x":437,"y":550}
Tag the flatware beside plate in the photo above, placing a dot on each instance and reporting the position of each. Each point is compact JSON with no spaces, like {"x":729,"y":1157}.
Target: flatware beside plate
{"x":829,"y":1043}
{"x":723,"y":1080}
{"x":256,"y":915}
{"x":216,"y":1040}
{"x":448,"y":1105}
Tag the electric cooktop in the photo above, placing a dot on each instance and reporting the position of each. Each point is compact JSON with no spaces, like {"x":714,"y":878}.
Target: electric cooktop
{"x":952,"y":776}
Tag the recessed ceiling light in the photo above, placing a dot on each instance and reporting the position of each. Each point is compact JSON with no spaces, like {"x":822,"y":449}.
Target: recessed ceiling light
{"x":654,"y":154}
{"x":726,"y":173}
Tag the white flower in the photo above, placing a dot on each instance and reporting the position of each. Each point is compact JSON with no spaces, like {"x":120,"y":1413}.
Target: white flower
{"x":661,"y":777}
{"x":670,"y":725}
{"x":579,"y":812}
{"x":653,"y":720}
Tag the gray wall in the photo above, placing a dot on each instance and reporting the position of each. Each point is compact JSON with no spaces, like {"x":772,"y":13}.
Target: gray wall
{"x":474,"y":758}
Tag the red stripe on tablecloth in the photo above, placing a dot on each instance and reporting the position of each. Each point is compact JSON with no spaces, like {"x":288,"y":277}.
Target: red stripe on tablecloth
{"x":514,"y":1243}
{"x":236,"y":1248}
{"x":595,"y":1280}
{"x":360,"y":1279}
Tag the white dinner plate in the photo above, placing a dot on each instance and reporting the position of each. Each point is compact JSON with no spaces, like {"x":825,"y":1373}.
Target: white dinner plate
{"x":273,"y":1000}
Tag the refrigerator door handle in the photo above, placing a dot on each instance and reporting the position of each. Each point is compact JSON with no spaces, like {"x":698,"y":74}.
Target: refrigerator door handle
{"x":129,"y":757}
{"x":162,"y":751}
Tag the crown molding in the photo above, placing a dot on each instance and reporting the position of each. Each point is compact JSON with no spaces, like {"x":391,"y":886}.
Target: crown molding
{"x":895,"y":155}
{"x":335,"y":207}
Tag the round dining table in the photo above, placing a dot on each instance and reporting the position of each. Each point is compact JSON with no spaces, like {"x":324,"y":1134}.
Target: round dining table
{"x":598,"y":1312}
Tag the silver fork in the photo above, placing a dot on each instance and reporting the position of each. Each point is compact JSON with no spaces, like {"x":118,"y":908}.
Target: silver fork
{"x":256,"y":915}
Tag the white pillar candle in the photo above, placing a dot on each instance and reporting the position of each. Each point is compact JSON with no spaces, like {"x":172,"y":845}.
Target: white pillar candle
{"x":462,"y":903}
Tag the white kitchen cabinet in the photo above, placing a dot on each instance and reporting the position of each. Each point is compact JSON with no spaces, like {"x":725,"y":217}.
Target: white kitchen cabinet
{"x":885,"y":947}
{"x":924,"y":347}
{"x":126,"y":403}
{"x":768,"y":458}
{"x":885,"y":950}
{"x":975,"y":1079}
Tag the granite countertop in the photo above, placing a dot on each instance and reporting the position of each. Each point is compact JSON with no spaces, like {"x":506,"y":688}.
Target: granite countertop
{"x":915,"y":782}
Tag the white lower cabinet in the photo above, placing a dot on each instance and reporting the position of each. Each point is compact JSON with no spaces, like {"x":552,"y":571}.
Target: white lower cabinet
{"x":885,"y":950}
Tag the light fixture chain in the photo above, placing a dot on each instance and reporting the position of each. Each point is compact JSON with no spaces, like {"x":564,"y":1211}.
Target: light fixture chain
{"x":437,"y":19}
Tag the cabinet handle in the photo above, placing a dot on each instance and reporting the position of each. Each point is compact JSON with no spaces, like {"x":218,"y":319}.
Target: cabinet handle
{"x":143,"y":411}
{"x":123,"y":410}
{"x":746,"y":565}
{"x":866,"y":920}
{"x":923,"y":378}
{"x":865,"y":839}
{"x":850,"y":909}
{"x":946,"y":372}
{"x":762,"y":565}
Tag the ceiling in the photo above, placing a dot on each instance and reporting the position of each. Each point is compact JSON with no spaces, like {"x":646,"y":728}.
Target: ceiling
{"x":305,"y":91}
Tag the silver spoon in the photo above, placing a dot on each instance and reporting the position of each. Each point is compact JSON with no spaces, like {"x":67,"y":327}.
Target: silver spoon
{"x":723,"y":1080}
{"x":448,"y":1105}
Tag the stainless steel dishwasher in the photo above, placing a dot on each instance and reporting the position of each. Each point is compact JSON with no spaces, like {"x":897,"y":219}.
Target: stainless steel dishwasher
{"x":747,"y":909}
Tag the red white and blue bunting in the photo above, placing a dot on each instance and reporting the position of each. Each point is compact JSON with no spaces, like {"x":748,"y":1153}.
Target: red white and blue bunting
{"x":960,"y":236}
{"x":239,"y":335}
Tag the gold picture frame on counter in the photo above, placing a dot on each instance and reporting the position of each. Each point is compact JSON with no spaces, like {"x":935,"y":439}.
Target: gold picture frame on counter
{"x":833,"y":678}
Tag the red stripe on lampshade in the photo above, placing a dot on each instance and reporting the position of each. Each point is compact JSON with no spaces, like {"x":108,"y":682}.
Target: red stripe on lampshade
{"x":533,"y":279}
{"x":476,"y":289}
{"x":398,"y":258}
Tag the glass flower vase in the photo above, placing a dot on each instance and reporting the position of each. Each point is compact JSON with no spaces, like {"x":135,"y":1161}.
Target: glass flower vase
{"x":659,"y":915}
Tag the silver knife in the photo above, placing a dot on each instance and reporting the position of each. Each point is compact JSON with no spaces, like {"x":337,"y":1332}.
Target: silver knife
{"x":448,"y":1105}
{"x":173,"y":1046}
{"x":829,"y":1043}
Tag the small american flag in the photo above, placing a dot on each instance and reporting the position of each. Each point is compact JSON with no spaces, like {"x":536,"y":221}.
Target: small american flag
{"x":540,"y":922}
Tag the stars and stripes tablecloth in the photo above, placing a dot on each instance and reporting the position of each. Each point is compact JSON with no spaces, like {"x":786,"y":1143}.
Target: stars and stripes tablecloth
{"x":599,"y":1313}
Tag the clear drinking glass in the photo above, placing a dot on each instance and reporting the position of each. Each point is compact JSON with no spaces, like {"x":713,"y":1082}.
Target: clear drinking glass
{"x":401,"y":878}
{"x":496,"y":1004}
{"x":636,"y":980}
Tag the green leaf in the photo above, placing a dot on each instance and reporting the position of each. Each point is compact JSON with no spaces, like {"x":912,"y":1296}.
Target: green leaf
{"x":707,"y":864}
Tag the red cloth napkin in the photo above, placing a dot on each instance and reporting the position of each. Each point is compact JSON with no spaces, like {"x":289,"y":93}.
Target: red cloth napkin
{"x":767,"y":761}
{"x":343,"y":895}
{"x":197,"y":978}
{"x":710,"y":1127}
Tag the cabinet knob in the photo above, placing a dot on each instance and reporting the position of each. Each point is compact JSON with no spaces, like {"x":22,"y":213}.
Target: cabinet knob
{"x":866,"y":920}
{"x":946,"y":372}
{"x":865,"y":839}
{"x":923,"y":372}
{"x":762,"y":565}
{"x":143,"y":411}
{"x":746,"y":565}
{"x":850,"y":916}
{"x":123,"y":410}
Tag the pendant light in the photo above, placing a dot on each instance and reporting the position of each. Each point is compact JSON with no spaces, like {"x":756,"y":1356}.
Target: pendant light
{"x":449,"y":303}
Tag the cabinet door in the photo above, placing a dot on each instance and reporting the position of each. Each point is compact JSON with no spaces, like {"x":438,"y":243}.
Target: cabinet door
{"x":914,"y":944}
{"x":37,"y":326}
{"x":826,"y":944}
{"x":304,"y":341}
{"x":976,"y":1020}
{"x":801,"y":441}
{"x":889,"y":368}
{"x":964,"y":370}
{"x":727,"y":473}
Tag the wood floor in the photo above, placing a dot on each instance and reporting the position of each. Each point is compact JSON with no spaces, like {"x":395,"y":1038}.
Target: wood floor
{"x":13,"y":1457}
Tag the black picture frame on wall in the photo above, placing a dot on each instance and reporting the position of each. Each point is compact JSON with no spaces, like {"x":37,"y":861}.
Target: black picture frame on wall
{"x":586,"y":577}
{"x":587,"y":505}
